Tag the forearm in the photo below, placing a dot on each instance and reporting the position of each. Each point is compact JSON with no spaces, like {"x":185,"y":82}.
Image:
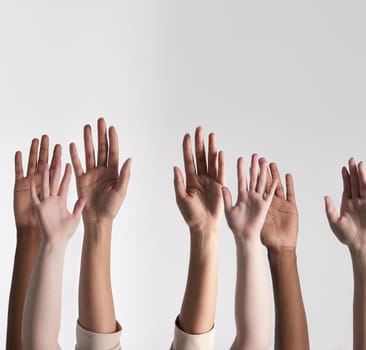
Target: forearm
{"x":197,"y":314}
{"x":359,"y":300}
{"x":42,"y":309}
{"x":96,"y":308}
{"x":25,"y":256}
{"x":253,"y":309}
{"x":291,"y":327}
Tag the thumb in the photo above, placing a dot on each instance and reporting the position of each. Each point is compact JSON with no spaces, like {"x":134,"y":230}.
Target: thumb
{"x":331,"y":211}
{"x":228,"y":201}
{"x":78,"y":207}
{"x":180,"y":190}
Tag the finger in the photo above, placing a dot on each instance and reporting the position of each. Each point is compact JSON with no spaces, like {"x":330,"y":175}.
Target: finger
{"x":124,"y":176}
{"x":362,"y":178}
{"x":262,"y":178}
{"x":56,"y":158}
{"x":102,"y":143}
{"x":32,"y":159}
{"x":113,"y":148}
{"x":43,"y":152}
{"x":347,"y":194}
{"x":188,"y":157}
{"x":276,"y":175}
{"x":268,"y":180}
{"x":45,"y":182}
{"x":253,"y":172}
{"x":228,"y":201}
{"x":179,"y":187}
{"x":355,"y":189}
{"x":18,"y":164}
{"x":200,"y":151}
{"x":221,"y":174}
{"x":331,"y":211}
{"x":55,"y":175}
{"x":290,"y":188}
{"x":242,"y":181}
{"x":78,"y":207}
{"x":271,"y":191}
{"x":89,"y":148}
{"x":212,"y":156}
{"x":34,"y":195}
{"x":65,"y":182}
{"x":75,"y":160}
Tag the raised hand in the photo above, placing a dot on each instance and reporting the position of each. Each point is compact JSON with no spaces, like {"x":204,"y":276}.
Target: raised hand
{"x":281,"y":225}
{"x":42,"y":308}
{"x":102,"y":184}
{"x":56,"y":222}
{"x":350,"y":225}
{"x":200,"y":201}
{"x":25,"y":216}
{"x":247,"y":217}
{"x":252,"y":298}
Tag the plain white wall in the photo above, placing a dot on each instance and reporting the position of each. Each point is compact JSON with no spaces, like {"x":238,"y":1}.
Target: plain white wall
{"x":285,"y":79}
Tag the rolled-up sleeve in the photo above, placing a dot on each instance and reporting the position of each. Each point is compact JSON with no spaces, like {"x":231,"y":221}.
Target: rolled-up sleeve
{"x":185,"y":341}
{"x":86,"y":340}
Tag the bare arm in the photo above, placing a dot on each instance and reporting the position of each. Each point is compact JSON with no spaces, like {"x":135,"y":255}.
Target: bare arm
{"x":104,"y":187}
{"x":42,"y":309}
{"x":253,"y":309}
{"x":28,"y":237}
{"x":279,"y":235}
{"x":350,"y":228}
{"x":200,"y":202}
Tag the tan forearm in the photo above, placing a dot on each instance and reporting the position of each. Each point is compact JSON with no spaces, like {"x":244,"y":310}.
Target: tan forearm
{"x":96,"y":308}
{"x":198,"y":308}
{"x":359,"y":300}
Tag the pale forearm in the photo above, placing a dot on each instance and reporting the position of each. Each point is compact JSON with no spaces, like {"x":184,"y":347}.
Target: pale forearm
{"x":359,"y":300}
{"x":96,"y":308}
{"x":25,"y":256}
{"x":291,"y":327}
{"x":42,"y":309}
{"x":253,"y":309}
{"x":197,"y":314}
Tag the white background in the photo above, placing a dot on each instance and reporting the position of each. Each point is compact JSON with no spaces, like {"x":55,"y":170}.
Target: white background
{"x":285,"y":79}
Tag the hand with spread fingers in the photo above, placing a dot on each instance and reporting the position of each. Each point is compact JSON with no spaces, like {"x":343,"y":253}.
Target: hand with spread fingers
{"x":247,"y":217}
{"x":279,"y":235}
{"x":102,"y":184}
{"x":104,"y":188}
{"x":200,"y":202}
{"x":349,"y":226}
{"x":281,"y":225}
{"x":253,"y":309}
{"x":42,"y":308}
{"x":28,"y":233}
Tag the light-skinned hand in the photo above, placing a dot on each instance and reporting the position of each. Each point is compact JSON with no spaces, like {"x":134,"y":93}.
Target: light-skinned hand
{"x":246,"y":217}
{"x":350,"y":224}
{"x":57,"y":224}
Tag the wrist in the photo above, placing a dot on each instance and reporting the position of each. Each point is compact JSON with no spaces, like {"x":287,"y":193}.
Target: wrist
{"x":53,"y":246}
{"x":283,"y":255}
{"x":29,"y":234}
{"x":98,"y":230}
{"x":358,"y":256}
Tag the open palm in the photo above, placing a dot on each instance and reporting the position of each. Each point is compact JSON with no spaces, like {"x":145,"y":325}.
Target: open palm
{"x":102,"y":185}
{"x":281,"y":225}
{"x":350,"y":225}
{"x":200,"y":201}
